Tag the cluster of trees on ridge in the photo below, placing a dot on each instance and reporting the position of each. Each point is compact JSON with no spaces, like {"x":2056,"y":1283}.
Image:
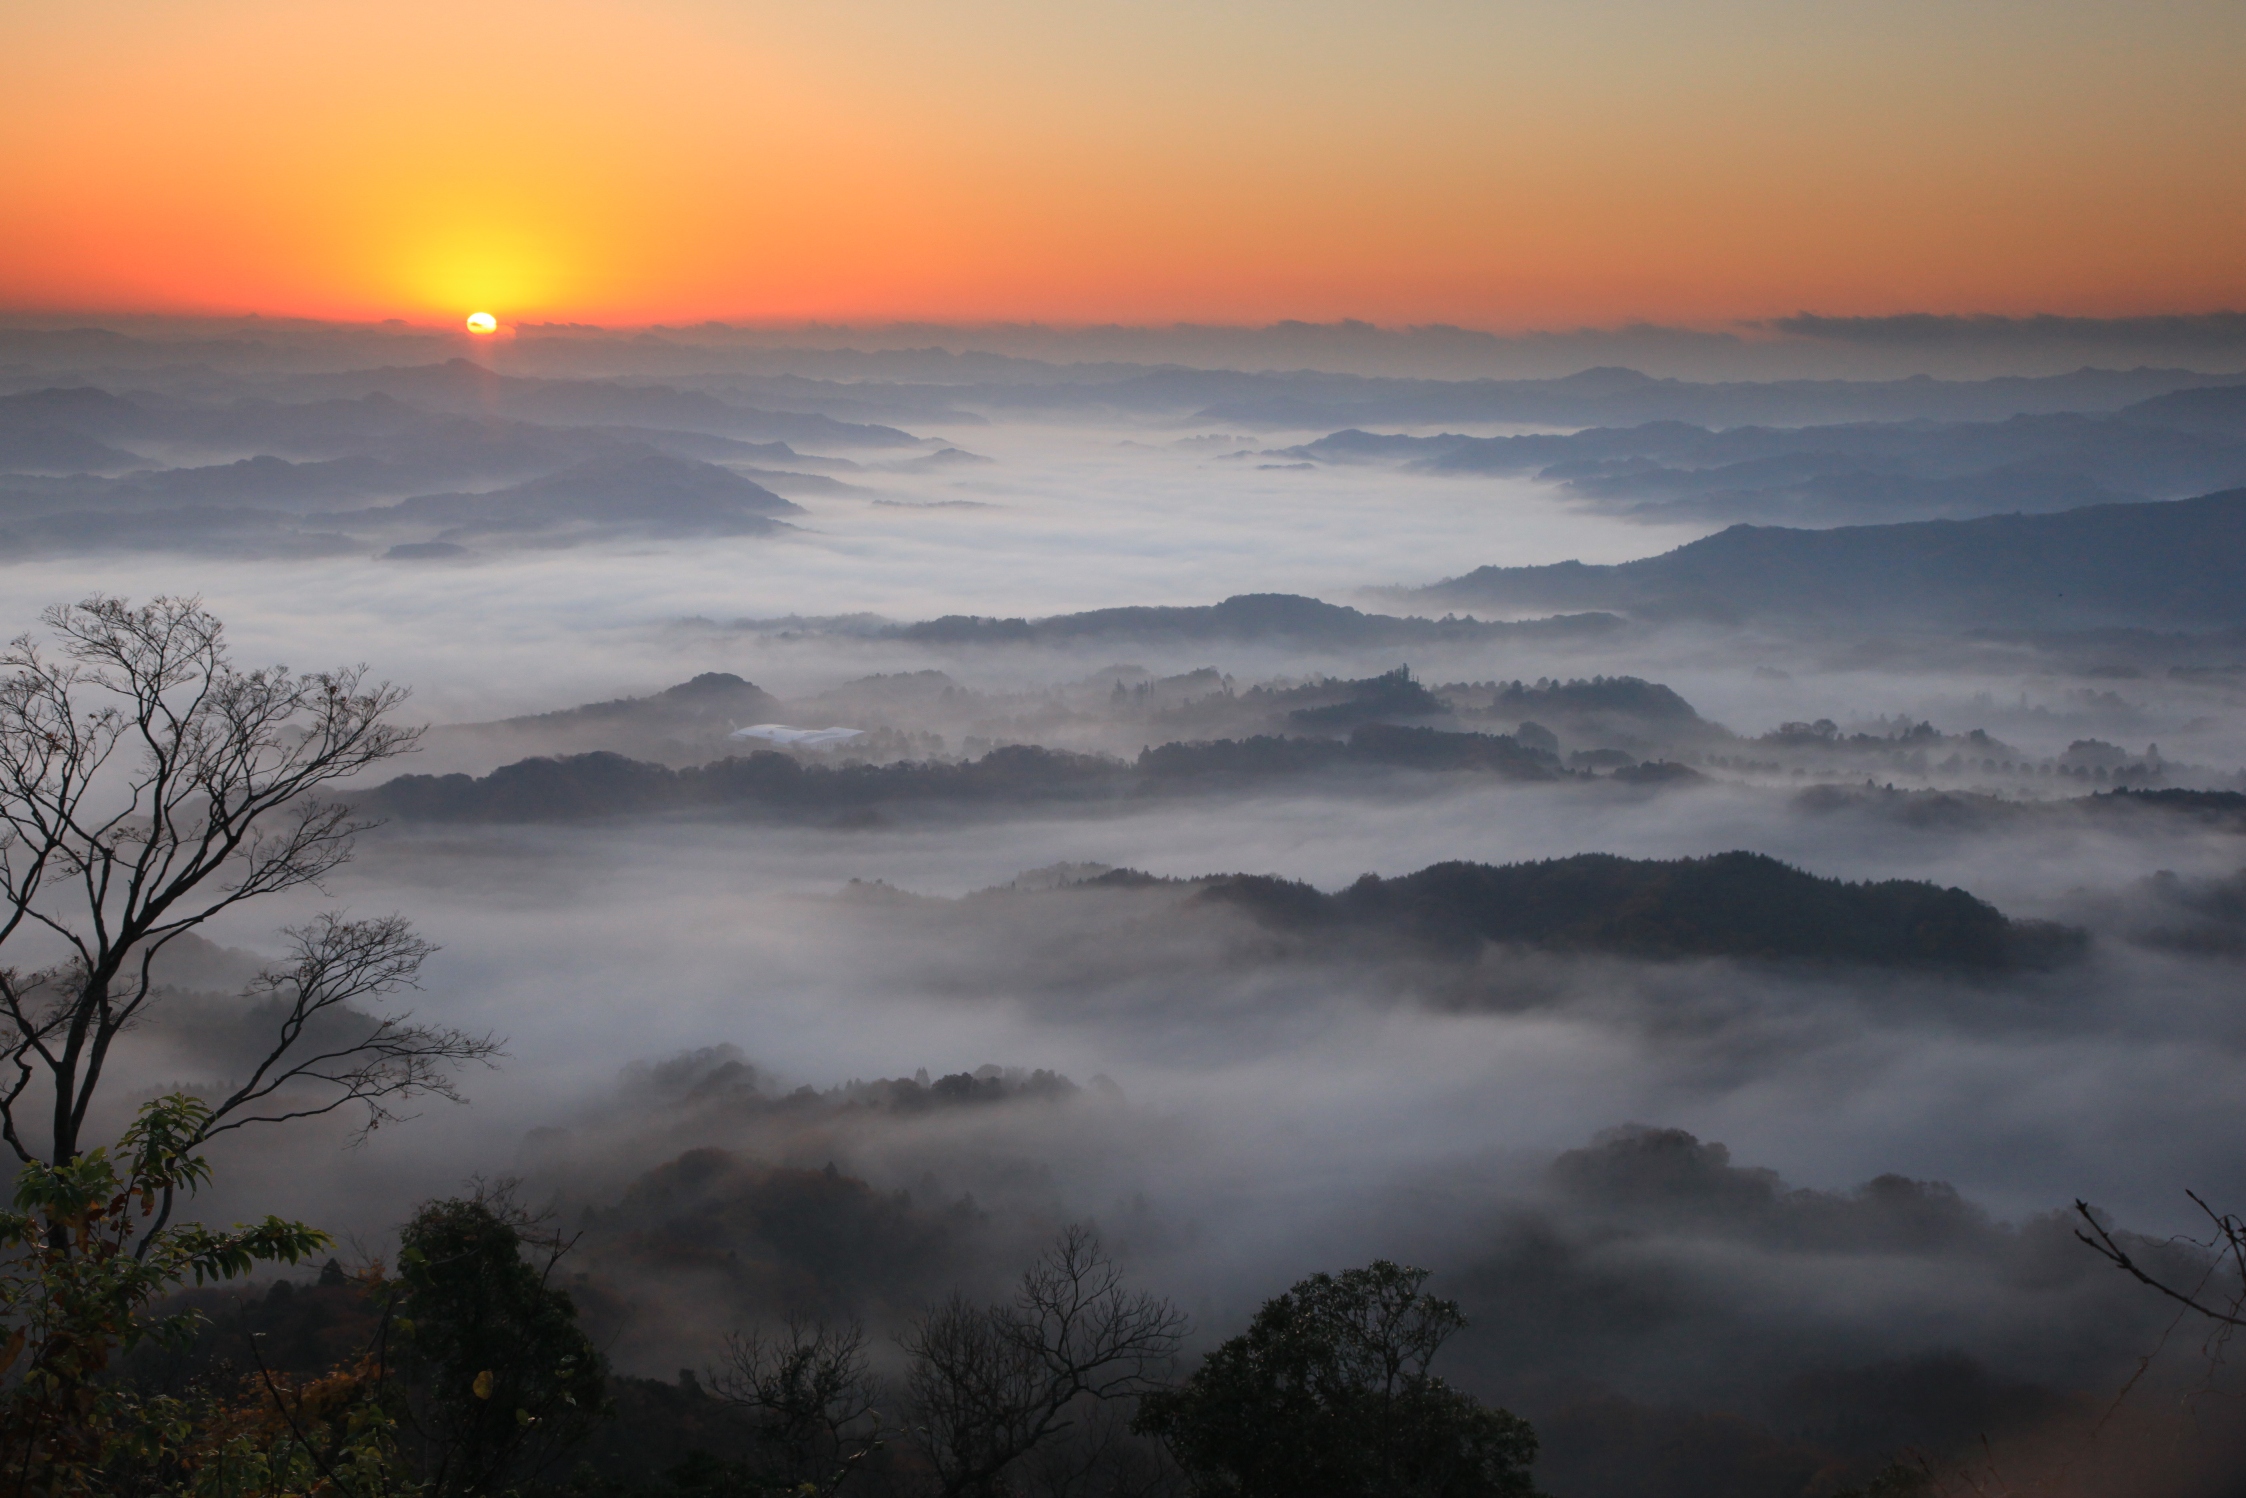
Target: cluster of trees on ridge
{"x":2163,"y":565}
{"x":602,"y":784}
{"x":1742,"y":905}
{"x":2223,"y":811}
{"x":466,"y":1372}
{"x":1622,"y":725}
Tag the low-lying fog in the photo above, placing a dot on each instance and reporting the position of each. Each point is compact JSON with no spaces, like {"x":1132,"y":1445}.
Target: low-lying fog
{"x":594,"y":948}
{"x":1244,"y":1115}
{"x":1060,"y":520}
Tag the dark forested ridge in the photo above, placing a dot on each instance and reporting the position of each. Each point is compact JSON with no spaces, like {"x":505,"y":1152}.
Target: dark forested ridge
{"x":1743,"y":905}
{"x":2172,"y":564}
{"x":712,"y":697}
{"x":581,"y":786}
{"x":1245,"y":616}
{"x":602,"y":784}
{"x":2223,"y":811}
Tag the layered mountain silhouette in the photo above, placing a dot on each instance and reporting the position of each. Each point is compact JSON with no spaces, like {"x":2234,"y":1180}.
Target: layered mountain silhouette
{"x":645,"y":492}
{"x":1244,"y":616}
{"x":1730,"y":905}
{"x":627,"y":490}
{"x":2173,"y":564}
{"x":577,"y":787}
{"x":463,"y":385}
{"x":2177,"y":444}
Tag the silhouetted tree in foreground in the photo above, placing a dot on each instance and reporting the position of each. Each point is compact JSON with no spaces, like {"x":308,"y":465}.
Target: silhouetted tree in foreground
{"x":498,"y":1377}
{"x":82,"y":1278}
{"x":990,"y":1384}
{"x":812,"y":1396}
{"x":2225,"y":1306}
{"x":1327,"y":1395}
{"x":148,"y":785}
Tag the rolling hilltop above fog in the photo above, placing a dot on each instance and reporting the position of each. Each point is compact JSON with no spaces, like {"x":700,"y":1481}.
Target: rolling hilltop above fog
{"x":1242,"y":617}
{"x":2172,"y":565}
{"x":1375,"y":737}
{"x":2182,"y":443}
{"x":1613,"y":396}
{"x":424,"y":459}
{"x":1728,"y":905}
{"x":451,"y":458}
{"x":628,"y":491}
{"x":461,"y":384}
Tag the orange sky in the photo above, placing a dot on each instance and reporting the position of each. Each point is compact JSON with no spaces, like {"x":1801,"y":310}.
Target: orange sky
{"x":1495,"y":164}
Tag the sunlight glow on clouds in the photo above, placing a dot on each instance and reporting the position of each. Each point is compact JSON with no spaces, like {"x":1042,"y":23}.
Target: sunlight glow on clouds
{"x":1497,"y":164}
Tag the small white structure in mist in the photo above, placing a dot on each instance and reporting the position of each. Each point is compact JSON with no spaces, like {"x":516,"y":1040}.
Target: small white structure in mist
{"x":809,"y":738}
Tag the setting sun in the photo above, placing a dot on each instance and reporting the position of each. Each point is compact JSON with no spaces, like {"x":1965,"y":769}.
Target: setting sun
{"x":481,"y":323}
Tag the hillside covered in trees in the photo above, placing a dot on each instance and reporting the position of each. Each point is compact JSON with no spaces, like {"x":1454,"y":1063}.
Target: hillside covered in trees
{"x":2170,"y":564}
{"x":582,"y":786}
{"x":1739,"y":905}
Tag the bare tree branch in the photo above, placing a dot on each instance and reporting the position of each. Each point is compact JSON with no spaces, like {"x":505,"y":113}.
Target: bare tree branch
{"x":2228,"y":1245}
{"x":812,"y":1395}
{"x":990,"y":1384}
{"x":149,"y":785}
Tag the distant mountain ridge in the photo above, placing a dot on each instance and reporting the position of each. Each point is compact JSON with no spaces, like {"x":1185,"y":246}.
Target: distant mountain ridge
{"x":578,"y":787}
{"x":458,"y":383}
{"x":2182,"y":443}
{"x":1619,"y":396}
{"x":1244,"y":616}
{"x":2171,"y":564}
{"x":644,"y":492}
{"x":625,"y":490}
{"x":1599,"y":396}
{"x":323,"y":469}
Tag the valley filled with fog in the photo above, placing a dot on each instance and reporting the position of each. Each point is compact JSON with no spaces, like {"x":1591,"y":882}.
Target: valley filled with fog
{"x":1720,"y":1154}
{"x":1042,"y":522}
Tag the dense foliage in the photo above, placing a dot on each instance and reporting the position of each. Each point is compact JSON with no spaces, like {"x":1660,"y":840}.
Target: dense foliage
{"x":1392,"y":694}
{"x":1563,"y":701}
{"x":1730,"y":905}
{"x":86,"y":1255}
{"x":461,"y":1376}
{"x":1328,"y":1395}
{"x":497,"y":1376}
{"x":579,"y":786}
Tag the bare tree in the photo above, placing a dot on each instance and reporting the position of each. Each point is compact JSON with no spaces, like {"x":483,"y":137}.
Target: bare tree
{"x":992,"y":1383}
{"x":147,"y":785}
{"x":2227,"y":1245}
{"x":812,"y":1395}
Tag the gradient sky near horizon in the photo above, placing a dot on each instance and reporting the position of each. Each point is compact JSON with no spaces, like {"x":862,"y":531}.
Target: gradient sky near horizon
{"x":1498,"y":164}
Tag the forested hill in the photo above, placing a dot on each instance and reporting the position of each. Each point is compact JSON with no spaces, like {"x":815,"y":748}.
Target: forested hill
{"x":585,"y":786}
{"x":1245,"y":616}
{"x":2170,"y":564}
{"x":1742,"y":905}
